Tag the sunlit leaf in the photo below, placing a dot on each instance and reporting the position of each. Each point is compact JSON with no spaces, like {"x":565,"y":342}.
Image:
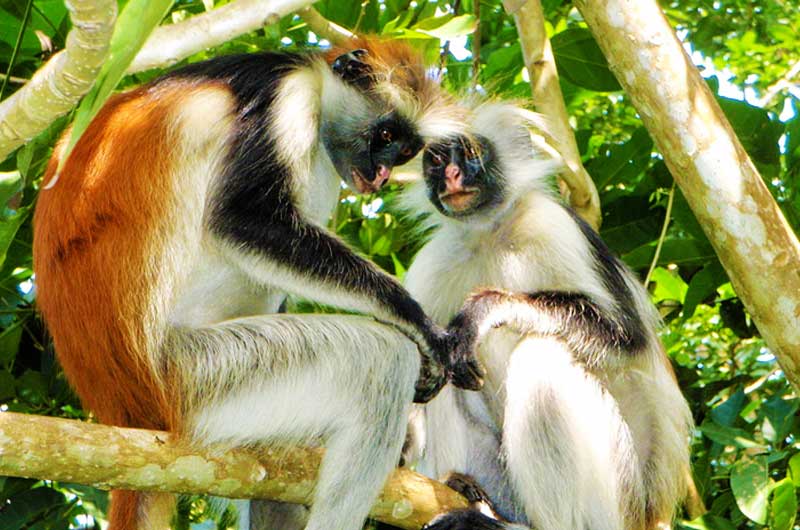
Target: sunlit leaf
{"x":751,"y":487}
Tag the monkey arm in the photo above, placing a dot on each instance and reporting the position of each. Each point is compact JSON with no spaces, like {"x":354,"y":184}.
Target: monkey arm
{"x":588,"y":329}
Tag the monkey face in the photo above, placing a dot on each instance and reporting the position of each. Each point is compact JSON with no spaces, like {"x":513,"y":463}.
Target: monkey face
{"x":365,"y":160}
{"x":462,"y":176}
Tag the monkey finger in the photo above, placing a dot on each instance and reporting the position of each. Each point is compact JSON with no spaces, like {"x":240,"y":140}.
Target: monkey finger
{"x":468,"y":374}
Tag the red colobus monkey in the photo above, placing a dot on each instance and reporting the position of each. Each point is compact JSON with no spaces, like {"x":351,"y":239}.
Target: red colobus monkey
{"x":580,"y":424}
{"x":183,"y":216}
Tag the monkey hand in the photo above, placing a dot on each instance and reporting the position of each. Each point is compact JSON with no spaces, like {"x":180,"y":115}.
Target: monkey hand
{"x":463,"y":367}
{"x":464,"y":520}
{"x":432,"y":379}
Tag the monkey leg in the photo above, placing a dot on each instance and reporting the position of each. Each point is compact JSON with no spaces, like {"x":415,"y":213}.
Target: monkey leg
{"x":343,"y":381}
{"x":568,"y":451}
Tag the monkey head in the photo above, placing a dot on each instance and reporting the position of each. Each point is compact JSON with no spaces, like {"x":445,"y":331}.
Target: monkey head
{"x":462,"y":176}
{"x":387,"y":106}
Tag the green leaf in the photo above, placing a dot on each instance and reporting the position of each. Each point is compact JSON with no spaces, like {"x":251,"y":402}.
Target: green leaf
{"x":725,"y":414}
{"x":751,"y":487}
{"x":579,"y":59}
{"x":624,"y":162}
{"x":729,"y":436}
{"x":455,"y":27}
{"x":10,"y":185}
{"x":703,"y":285}
{"x":780,"y":414}
{"x":134,"y":24}
{"x":794,"y":469}
{"x":708,"y":522}
{"x":8,"y":229}
{"x":783,"y":505}
{"x":669,"y":285}
{"x":6,"y":386}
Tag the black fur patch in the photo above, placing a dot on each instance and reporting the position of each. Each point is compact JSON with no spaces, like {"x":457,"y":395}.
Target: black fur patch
{"x":613,"y":273}
{"x":464,"y":520}
{"x":253,"y":206}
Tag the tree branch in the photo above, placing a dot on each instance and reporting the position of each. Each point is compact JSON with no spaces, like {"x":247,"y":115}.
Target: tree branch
{"x":549,"y":101}
{"x":733,"y":205}
{"x":58,"y":85}
{"x":111,"y":457}
{"x":322,"y":27}
{"x":170,"y":43}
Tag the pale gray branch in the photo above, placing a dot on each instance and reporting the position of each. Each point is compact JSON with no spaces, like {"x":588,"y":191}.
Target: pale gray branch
{"x":57,"y":87}
{"x":137,"y":459}
{"x":169,"y":44}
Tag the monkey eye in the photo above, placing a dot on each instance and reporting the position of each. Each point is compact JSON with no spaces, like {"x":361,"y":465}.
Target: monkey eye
{"x":386,"y":135}
{"x":406,"y":151}
{"x":437,"y":159}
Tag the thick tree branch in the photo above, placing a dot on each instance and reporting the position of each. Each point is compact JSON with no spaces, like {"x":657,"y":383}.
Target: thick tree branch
{"x":324,"y":28}
{"x":169,"y":44}
{"x":111,"y":457}
{"x":549,"y":101}
{"x":741,"y":219}
{"x":57,"y":87}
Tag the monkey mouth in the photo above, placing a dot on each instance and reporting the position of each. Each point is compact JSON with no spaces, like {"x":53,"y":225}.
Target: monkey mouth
{"x":363,"y":185}
{"x":461,"y":200}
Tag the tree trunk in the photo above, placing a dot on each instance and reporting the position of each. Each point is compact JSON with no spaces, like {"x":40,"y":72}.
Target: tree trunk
{"x":727,"y":195}
{"x":137,"y":459}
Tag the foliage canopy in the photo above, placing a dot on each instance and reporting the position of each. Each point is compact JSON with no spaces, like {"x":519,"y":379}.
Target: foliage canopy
{"x":746,"y":451}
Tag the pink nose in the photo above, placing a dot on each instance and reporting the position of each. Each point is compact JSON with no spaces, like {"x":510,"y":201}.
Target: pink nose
{"x":452,"y":178}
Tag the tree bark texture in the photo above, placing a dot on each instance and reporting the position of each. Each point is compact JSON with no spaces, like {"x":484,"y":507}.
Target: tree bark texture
{"x":754,"y":242}
{"x":58,"y":86}
{"x":137,"y":459}
{"x":549,"y":101}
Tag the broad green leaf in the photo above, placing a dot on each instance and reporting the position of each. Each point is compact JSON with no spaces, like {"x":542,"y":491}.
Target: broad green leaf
{"x":28,"y":506}
{"x":6,"y":388}
{"x":669,"y":285}
{"x":580,"y":60}
{"x":623,"y":162}
{"x":134,"y":24}
{"x":783,"y":505}
{"x":780,"y":416}
{"x":708,"y":522}
{"x":10,"y":185}
{"x":725,"y":413}
{"x":675,"y":250}
{"x":8,"y":229}
{"x":703,"y":285}
{"x":729,"y":436}
{"x":794,"y":469}
{"x":455,"y":27}
{"x":751,"y":487}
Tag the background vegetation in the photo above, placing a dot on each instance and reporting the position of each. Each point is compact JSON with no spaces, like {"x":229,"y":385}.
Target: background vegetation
{"x":746,"y":448}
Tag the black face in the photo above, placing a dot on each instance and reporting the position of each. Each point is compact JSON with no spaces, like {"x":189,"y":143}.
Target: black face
{"x":365,"y":160}
{"x":462,"y":176}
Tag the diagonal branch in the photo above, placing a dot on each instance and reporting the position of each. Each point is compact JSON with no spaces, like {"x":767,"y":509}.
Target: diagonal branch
{"x":324,"y":28}
{"x":57,"y":87}
{"x":137,"y":459}
{"x":170,"y":43}
{"x":549,"y":101}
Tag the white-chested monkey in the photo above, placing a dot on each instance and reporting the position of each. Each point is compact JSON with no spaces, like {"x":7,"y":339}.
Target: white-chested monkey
{"x":580,"y":424}
{"x":184,"y":214}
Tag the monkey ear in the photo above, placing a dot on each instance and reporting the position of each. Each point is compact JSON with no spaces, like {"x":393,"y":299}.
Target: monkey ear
{"x":352,"y":69}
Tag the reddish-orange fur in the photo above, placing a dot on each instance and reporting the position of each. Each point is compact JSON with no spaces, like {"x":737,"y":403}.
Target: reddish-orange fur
{"x":93,"y":256}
